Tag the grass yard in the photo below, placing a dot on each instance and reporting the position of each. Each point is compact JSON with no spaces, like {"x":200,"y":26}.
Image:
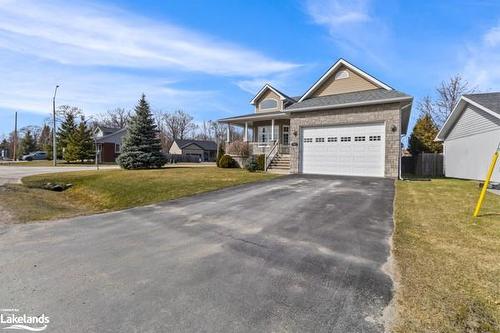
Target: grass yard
{"x":448,"y":267}
{"x":100,"y":191}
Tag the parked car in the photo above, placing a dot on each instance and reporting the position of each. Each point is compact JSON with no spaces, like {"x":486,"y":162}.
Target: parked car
{"x":37,"y":155}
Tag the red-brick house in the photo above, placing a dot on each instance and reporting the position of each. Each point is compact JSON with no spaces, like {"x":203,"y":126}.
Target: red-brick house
{"x":109,"y":142}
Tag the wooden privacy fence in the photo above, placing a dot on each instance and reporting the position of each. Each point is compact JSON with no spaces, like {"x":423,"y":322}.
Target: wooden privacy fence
{"x":423,"y":165}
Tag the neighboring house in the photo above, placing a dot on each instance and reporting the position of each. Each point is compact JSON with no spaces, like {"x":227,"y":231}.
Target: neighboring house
{"x":109,"y":142}
{"x":471,"y":135}
{"x":347,"y":123}
{"x":206,"y":151}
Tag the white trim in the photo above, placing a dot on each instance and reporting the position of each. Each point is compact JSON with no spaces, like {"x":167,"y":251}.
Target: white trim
{"x":256,"y":116}
{"x":338,"y":106}
{"x":261,"y":91}
{"x":455,"y":114}
{"x":336,"y":66}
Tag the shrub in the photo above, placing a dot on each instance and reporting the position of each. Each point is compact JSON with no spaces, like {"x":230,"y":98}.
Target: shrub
{"x":220,"y":153}
{"x":261,"y":160}
{"x":238,"y":148}
{"x":227,"y":162}
{"x":252,"y":165}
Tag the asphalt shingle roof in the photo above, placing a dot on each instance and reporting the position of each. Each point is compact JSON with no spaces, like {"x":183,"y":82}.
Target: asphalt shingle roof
{"x":488,"y":100}
{"x":347,"y":98}
{"x":203,"y":144}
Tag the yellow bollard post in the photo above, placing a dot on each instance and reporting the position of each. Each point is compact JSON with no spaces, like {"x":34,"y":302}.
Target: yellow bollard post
{"x":485,"y":185}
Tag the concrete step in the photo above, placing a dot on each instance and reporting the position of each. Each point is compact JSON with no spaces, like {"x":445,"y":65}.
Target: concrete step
{"x":279,"y":171}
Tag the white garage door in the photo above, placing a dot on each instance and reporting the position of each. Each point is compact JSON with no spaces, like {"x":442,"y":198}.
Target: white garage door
{"x":353,"y":150}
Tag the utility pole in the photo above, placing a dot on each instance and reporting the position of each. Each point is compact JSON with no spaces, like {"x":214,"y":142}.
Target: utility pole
{"x":54,"y":148}
{"x":15,"y":138}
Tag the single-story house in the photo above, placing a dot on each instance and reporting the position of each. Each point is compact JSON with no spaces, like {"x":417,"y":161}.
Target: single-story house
{"x":347,"y":123}
{"x":109,"y":142}
{"x":471,"y":135}
{"x":205,"y":150}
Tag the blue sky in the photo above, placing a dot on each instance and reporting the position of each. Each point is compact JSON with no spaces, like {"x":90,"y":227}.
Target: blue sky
{"x":210,"y":57}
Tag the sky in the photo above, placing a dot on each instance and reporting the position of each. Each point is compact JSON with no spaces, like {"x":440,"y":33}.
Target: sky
{"x":209,"y":58}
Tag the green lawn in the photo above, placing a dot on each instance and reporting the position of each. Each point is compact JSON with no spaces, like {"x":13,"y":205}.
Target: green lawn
{"x":106,"y":190}
{"x":448,"y":263}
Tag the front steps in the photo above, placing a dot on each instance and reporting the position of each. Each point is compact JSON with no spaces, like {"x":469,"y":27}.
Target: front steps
{"x":280,"y":164}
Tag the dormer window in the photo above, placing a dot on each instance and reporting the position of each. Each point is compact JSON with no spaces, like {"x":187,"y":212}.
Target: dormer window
{"x":269,"y":104}
{"x":343,"y":74}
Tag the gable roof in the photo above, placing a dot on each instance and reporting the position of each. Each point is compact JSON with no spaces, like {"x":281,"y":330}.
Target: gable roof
{"x":118,"y":131}
{"x":487,"y":102}
{"x":341,"y":62}
{"x":203,"y":144}
{"x":347,"y":99}
{"x":267,"y":86}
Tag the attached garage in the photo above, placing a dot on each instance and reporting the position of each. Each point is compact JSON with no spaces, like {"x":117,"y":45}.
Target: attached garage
{"x":350,"y":150}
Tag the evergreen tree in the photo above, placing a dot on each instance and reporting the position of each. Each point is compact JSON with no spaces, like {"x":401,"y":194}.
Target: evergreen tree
{"x":220,"y":153}
{"x":45,"y":138}
{"x":68,"y":127}
{"x":80,"y":145}
{"x":141,"y":146}
{"x":28,"y":144}
{"x":423,"y":135}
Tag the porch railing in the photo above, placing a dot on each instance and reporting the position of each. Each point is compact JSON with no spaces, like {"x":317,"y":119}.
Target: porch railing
{"x":271,"y":154}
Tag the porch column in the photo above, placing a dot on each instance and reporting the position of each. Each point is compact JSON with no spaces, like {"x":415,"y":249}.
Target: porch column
{"x":245,"y":138}
{"x":228,"y":133}
{"x":272,"y":129}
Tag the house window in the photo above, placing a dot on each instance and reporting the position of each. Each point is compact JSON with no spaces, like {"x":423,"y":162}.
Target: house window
{"x":320,"y":139}
{"x":117,"y":148}
{"x":264,"y":133}
{"x":359,"y":138}
{"x":269,"y":104}
{"x":375,"y":138}
{"x":285,"y":135}
{"x":343,"y":74}
{"x":332,"y":139}
{"x":308,"y":140}
{"x":345,"y":139}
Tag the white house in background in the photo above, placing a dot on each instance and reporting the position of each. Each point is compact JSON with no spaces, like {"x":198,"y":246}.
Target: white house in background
{"x":470,"y":136}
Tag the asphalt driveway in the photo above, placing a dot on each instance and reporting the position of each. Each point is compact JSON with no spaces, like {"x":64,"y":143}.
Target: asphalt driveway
{"x":296,"y":254}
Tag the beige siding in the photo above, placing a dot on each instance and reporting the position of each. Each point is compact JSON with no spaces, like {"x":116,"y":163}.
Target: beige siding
{"x":272,"y":95}
{"x":174,"y":149}
{"x":353,"y":83}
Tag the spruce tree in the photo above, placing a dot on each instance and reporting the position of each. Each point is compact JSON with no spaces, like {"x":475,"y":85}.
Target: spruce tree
{"x":423,"y":135}
{"x":141,"y":146}
{"x":28,"y":144}
{"x":80,"y":145}
{"x":68,"y":127}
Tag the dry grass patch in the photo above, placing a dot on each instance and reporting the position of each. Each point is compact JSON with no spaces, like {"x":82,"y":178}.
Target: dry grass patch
{"x":449,"y":267}
{"x":100,"y":191}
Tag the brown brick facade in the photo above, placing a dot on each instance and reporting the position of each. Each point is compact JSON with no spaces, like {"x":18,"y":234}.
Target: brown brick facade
{"x":387,"y":113}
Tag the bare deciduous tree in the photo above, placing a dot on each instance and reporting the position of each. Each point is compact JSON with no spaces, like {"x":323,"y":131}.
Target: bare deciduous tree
{"x":448,"y":94}
{"x":116,"y":118}
{"x":179,"y":125}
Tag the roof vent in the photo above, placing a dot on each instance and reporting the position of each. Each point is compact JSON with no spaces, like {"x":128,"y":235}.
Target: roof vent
{"x":343,"y":74}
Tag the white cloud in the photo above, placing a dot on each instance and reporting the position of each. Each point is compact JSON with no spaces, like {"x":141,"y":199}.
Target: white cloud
{"x":482,"y":61}
{"x":352,"y":27}
{"x":88,"y":34}
{"x":492,"y":37}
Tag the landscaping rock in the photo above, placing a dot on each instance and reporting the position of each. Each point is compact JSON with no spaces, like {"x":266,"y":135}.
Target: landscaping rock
{"x":56,"y":187}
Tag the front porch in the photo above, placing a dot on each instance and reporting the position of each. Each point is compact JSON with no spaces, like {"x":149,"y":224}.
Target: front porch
{"x":266,"y":134}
